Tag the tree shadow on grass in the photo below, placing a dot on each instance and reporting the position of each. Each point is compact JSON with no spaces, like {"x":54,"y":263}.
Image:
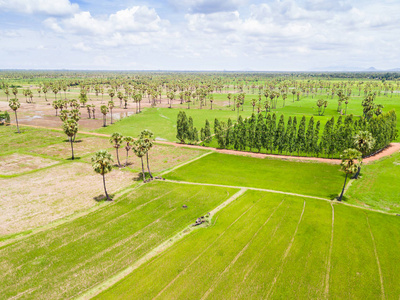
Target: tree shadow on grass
{"x":75,"y":158}
{"x":103,"y":198}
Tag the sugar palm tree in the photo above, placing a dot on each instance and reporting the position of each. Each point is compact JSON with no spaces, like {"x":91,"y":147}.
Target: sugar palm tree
{"x":104,"y":111}
{"x":363,"y":142}
{"x":129,"y":141}
{"x":14,"y":105}
{"x":351,"y":159}
{"x":15,"y":92}
{"x":70,"y":127}
{"x":116,"y":140}
{"x":7,"y":92}
{"x":111,"y":106}
{"x":140,"y":149}
{"x":102,"y":164}
{"x":148,"y":139}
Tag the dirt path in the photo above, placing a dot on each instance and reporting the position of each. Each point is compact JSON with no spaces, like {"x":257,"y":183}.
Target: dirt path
{"x":393,"y":148}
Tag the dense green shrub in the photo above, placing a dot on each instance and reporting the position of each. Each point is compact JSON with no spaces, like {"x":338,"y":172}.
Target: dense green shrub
{"x":272,"y":135}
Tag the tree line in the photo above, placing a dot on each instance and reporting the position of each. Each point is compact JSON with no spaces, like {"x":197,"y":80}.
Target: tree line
{"x":274,"y":134}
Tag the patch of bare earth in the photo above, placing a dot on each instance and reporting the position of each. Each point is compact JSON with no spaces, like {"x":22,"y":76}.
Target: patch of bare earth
{"x":36,"y":199}
{"x":81,"y":147}
{"x":19,"y":163}
{"x":160,"y":157}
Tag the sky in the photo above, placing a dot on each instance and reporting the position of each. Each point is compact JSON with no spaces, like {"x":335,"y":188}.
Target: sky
{"x":231,"y":35}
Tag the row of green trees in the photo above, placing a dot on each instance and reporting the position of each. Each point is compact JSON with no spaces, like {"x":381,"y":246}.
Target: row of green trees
{"x":299,"y":136}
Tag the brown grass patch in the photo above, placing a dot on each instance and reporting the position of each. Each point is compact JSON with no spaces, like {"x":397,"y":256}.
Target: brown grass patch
{"x":82,"y":146}
{"x":19,"y":163}
{"x":160,"y":157}
{"x":36,"y":199}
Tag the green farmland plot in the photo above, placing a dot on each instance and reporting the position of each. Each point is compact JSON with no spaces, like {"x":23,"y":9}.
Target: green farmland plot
{"x":65,"y":261}
{"x":162,"y":121}
{"x":315,"y":179}
{"x":269,"y":246}
{"x":378,"y":187}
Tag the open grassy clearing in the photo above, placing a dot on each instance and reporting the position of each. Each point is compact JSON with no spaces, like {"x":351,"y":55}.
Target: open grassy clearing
{"x":162,"y":121}
{"x":272,"y":246}
{"x":314,"y":179}
{"x":65,"y":261}
{"x":41,"y":197}
{"x":378,"y":186}
{"x":19,"y":163}
{"x":161,"y":157}
{"x":29,"y":138}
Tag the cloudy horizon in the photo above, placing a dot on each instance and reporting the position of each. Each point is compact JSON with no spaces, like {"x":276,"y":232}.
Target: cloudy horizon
{"x":203,"y":35}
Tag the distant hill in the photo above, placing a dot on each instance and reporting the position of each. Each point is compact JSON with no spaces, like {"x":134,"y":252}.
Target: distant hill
{"x":351,"y":69}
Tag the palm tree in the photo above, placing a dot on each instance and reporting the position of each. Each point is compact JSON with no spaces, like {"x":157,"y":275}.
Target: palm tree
{"x":14,"y":105}
{"x":140,"y":149}
{"x":111,"y":106}
{"x":102,"y":164}
{"x":7,"y":92}
{"x":116,"y":140}
{"x":111,"y":93}
{"x":44,"y":89}
{"x":55,"y":91}
{"x":15,"y":92}
{"x":89,"y":110}
{"x":129,"y":141}
{"x":120,"y":96}
{"x":148,"y":138}
{"x":363,"y":142}
{"x":70,"y":127}
{"x":104,"y":111}
{"x":351,"y":159}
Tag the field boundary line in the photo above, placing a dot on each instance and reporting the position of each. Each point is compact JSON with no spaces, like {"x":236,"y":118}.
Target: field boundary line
{"x":215,"y":282}
{"x":284,"y":193}
{"x":328,"y":263}
{"x":377,"y":258}
{"x":285,"y":255}
{"x":249,"y":188}
{"x":185,"y":163}
{"x":97,"y":289}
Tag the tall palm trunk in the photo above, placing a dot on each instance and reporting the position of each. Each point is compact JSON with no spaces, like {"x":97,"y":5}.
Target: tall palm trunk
{"x":344,"y":185}
{"x":105,"y":190}
{"x":72,"y":147}
{"x":148,"y":166}
{"x":126,"y":162}
{"x":119,"y":163}
{"x":144,"y":177}
{"x":16,"y":119}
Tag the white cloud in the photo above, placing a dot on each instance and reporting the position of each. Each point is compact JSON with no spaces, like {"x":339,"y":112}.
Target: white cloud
{"x":136,"y":19}
{"x":208,"y":6}
{"x":48,"y":7}
{"x":82,"y":47}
